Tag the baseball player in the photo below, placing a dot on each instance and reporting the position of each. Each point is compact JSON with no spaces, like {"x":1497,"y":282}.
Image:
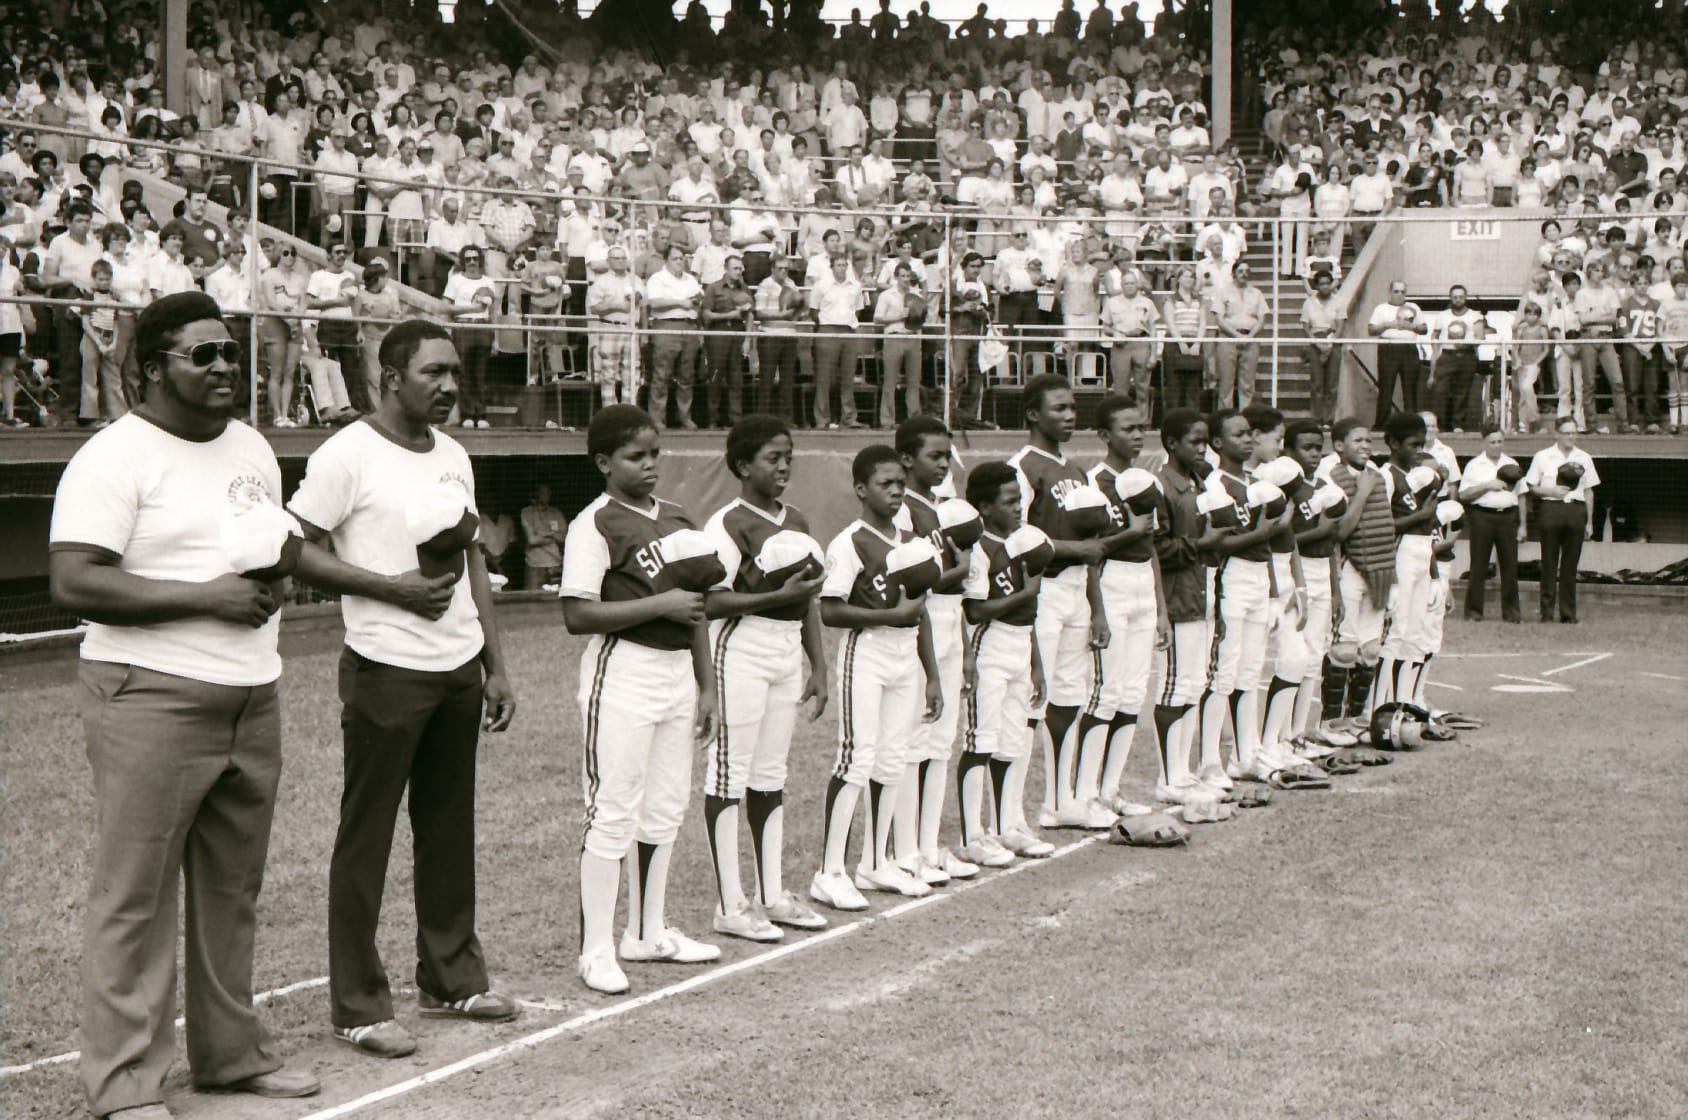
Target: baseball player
{"x":1132,"y":605}
{"x":647,"y":691}
{"x":1242,"y":600}
{"x":923,"y":442}
{"x":1366,"y":535}
{"x":1001,"y":599}
{"x":1071,"y":622}
{"x":1413,"y":507}
{"x":1286,"y":651}
{"x":761,"y":635}
{"x":1180,"y":540}
{"x":1315,"y":540}
{"x":879,"y":699}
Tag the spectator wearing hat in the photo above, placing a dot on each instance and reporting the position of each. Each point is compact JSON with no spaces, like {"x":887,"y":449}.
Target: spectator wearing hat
{"x":377,"y":306}
{"x":472,"y":295}
{"x":179,"y":702}
{"x":612,"y":301}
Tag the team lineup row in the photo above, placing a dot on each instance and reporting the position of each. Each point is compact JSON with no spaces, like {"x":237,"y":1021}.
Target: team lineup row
{"x":1034,"y":606}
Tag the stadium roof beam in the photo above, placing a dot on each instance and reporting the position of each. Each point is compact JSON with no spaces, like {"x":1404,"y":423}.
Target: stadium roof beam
{"x":174,"y":65}
{"x":1221,"y":107}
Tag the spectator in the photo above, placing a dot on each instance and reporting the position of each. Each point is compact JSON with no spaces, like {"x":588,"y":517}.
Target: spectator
{"x":1239,"y":313}
{"x":779,"y":303}
{"x":1322,"y":320}
{"x":673,"y":296}
{"x":834,"y":299}
{"x":726,"y":309}
{"x":899,"y":313}
{"x":472,"y":296}
{"x":1530,"y":350}
{"x":1397,"y":325}
{"x":332,"y":291}
{"x":543,"y":529}
{"x":1185,"y":321}
{"x":1133,"y":323}
{"x":1453,"y":363}
{"x":377,"y":306}
{"x":497,"y":533}
{"x":611,"y":301}
{"x":969,"y":316}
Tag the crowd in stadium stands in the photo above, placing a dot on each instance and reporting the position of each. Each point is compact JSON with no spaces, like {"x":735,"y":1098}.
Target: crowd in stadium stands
{"x":738,"y":226}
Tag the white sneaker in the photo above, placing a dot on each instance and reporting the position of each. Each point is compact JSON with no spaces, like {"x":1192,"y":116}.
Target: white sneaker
{"x":599,"y":971}
{"x":482,"y":424}
{"x":1183,"y":792}
{"x":1235,"y":770}
{"x":836,"y":890}
{"x":1333,"y":736}
{"x":1023,"y":843}
{"x":468,"y":423}
{"x":1120,"y":807}
{"x":928,"y":871}
{"x":786,"y":910}
{"x":1215,"y":777}
{"x":669,"y":947}
{"x":892,"y":880}
{"x":954,"y":866}
{"x":746,"y":923}
{"x":1308,"y":748}
{"x":987,"y":852}
{"x":1090,"y":815}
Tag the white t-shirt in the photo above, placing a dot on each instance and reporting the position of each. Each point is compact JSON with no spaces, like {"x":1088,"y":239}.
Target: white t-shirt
{"x":158,"y":502}
{"x":357,"y":486}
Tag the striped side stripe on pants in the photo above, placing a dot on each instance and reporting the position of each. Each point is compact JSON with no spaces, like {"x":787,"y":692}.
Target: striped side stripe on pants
{"x":847,"y":720}
{"x":720,"y":665}
{"x":970,"y":728}
{"x":589,"y":756}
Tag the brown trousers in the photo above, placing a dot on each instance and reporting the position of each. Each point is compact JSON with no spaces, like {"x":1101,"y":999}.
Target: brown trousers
{"x":185,"y":777}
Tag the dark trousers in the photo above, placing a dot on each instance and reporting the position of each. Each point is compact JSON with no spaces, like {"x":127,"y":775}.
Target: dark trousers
{"x":1496,"y":531}
{"x":725,"y":355}
{"x":1323,"y":369}
{"x":1641,"y":383}
{"x":1561,"y":526}
{"x":777,"y":356}
{"x":405,"y":728}
{"x":343,"y":348}
{"x":185,"y":776}
{"x":1457,"y":390}
{"x":474,"y":350}
{"x":1181,"y":374}
{"x":1397,"y":363}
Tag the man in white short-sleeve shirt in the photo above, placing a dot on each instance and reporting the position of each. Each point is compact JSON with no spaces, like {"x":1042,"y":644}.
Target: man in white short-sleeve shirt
{"x":396,"y":495}
{"x":168,"y":537}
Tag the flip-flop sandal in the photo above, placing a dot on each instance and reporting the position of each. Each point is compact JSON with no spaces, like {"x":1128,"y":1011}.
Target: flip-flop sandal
{"x":1295,"y":777}
{"x":1458,"y":721}
{"x":1150,"y":830}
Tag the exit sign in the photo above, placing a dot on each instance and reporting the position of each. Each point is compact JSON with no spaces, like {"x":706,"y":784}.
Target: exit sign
{"x":1475,"y":229}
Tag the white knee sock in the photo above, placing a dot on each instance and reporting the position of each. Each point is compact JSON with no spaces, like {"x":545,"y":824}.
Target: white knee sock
{"x":905,"y":822}
{"x":934,"y":783}
{"x":1014,"y":793}
{"x":1116,"y":751}
{"x":647,"y":889}
{"x":600,"y":882}
{"x":1090,"y":737}
{"x":843,"y":812}
{"x":1212,"y":725}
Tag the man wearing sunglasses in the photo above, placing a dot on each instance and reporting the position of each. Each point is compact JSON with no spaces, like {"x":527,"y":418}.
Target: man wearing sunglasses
{"x":169,"y":538}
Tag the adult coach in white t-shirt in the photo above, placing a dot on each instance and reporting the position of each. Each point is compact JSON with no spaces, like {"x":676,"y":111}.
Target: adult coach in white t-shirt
{"x":422,"y":660}
{"x":178,"y":699}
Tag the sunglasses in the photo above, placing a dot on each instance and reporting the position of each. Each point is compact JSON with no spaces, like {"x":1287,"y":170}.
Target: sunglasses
{"x":204,"y":354}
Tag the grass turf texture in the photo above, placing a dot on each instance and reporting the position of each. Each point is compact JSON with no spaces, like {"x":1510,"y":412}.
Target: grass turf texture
{"x":1491,"y":927}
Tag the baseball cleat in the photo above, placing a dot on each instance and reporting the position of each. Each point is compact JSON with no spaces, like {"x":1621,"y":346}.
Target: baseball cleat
{"x":788,"y":911}
{"x":892,"y":880}
{"x":1022,"y":843}
{"x":1215,"y":777}
{"x":987,"y":852}
{"x":836,"y":890}
{"x":1334,"y":736}
{"x":954,"y":866}
{"x":669,"y":947}
{"x":746,"y":923}
{"x":1183,"y":793}
{"x":600,"y":972}
{"x":929,"y":871}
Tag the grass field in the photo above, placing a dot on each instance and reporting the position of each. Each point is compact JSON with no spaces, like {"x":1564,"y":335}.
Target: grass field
{"x":1488,"y":928}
